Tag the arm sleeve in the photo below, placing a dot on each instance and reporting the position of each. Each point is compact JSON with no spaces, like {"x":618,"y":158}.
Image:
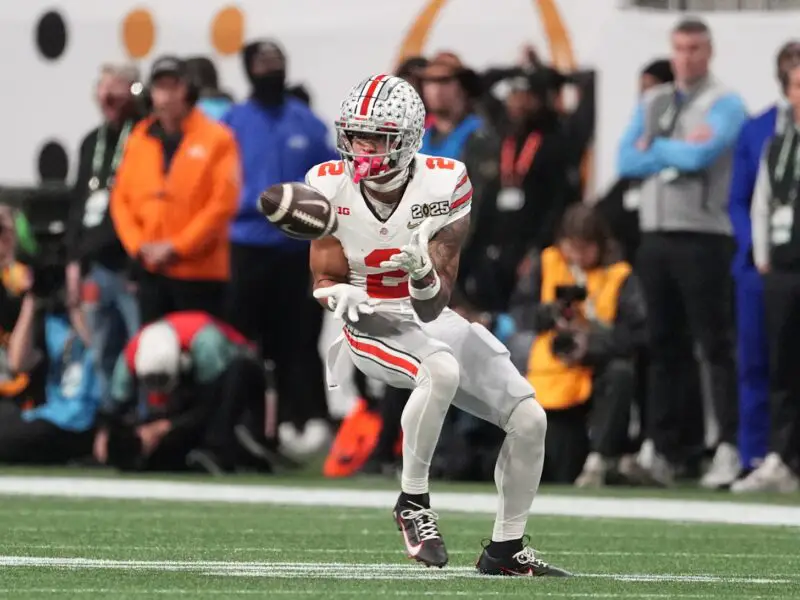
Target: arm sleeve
{"x":760,"y":215}
{"x":628,"y":332}
{"x":631,"y":161}
{"x":78,"y":202}
{"x":743,"y":179}
{"x":122,"y":390}
{"x":725,"y":118}
{"x":526,"y":299}
{"x":211,"y":353}
{"x":461,"y":200}
{"x":125,"y":222}
{"x":221,"y":206}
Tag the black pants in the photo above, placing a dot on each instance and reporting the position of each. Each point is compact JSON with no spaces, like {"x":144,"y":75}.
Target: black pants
{"x":38,"y":442}
{"x":160,"y":295}
{"x":686,"y":280}
{"x":782,"y":299}
{"x":270,"y":302}
{"x":208,"y":423}
{"x":600,"y":425}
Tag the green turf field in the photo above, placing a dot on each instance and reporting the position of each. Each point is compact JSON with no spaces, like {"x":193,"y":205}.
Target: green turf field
{"x":97,"y":548}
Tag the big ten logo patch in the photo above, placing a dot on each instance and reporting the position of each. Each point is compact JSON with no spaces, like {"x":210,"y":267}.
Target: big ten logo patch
{"x":342,"y":210}
{"x":432,"y":209}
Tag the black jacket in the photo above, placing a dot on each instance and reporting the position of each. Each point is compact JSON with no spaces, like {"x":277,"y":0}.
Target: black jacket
{"x":98,"y":243}
{"x":501,"y":238}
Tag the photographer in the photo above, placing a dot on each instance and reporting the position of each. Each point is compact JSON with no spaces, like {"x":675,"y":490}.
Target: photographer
{"x":44,"y":341}
{"x":202,"y":379}
{"x":586,"y":311}
{"x":16,"y":280}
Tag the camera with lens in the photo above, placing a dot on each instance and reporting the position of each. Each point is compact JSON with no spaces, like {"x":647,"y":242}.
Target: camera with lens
{"x":49,"y":286}
{"x":567,"y":296}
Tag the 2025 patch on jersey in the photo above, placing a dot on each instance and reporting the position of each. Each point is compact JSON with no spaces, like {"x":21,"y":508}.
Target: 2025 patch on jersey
{"x":440,"y":189}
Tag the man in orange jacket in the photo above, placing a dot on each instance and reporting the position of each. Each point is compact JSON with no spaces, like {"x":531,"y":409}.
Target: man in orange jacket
{"x":175,"y":194}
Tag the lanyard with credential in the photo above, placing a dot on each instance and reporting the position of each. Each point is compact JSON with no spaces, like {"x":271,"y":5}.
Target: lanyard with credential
{"x":512,"y":171}
{"x":100,"y":152}
{"x":783,"y":160}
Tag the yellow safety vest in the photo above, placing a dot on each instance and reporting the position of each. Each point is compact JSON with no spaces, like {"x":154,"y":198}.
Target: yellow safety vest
{"x":559,"y":386}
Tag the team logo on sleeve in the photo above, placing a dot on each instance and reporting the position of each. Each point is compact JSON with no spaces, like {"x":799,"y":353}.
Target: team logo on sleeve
{"x":432,"y":209}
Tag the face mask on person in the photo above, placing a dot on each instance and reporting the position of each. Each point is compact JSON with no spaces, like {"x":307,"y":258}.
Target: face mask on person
{"x":269,"y":88}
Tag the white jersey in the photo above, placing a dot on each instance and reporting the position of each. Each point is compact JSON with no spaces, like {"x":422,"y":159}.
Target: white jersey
{"x":440,"y":188}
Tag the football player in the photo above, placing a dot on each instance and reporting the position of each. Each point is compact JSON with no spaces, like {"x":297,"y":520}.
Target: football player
{"x":389,"y":270}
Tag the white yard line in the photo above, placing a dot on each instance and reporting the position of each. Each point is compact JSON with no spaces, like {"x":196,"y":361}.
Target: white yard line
{"x":350,"y":593}
{"x":577,"y":506}
{"x":92,"y":547}
{"x":346,"y":571}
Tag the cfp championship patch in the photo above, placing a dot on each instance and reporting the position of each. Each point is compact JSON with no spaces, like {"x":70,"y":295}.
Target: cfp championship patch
{"x":432,"y":209}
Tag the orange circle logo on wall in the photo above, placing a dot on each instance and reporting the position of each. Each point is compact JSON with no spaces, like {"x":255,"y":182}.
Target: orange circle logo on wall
{"x":227,"y":30}
{"x":558,"y":40}
{"x":138,"y":33}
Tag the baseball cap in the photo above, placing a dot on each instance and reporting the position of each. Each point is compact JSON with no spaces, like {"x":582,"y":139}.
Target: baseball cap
{"x":168,"y":65}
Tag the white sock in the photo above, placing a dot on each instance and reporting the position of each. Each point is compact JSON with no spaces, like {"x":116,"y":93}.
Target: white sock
{"x":519,"y":469}
{"x":423,"y":416}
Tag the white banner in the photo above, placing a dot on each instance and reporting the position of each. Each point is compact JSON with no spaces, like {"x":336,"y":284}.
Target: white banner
{"x":333,"y":44}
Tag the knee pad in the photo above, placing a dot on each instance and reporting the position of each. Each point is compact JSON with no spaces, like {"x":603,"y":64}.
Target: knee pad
{"x":527,"y":420}
{"x":441,"y":372}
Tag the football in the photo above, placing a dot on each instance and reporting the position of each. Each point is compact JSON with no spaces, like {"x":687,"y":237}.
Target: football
{"x":299,"y":210}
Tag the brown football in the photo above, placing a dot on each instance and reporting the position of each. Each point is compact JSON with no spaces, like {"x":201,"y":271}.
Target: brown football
{"x":299,"y":210}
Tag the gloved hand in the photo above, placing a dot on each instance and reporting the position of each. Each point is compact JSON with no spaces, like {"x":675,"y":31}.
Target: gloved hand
{"x":504,"y":327}
{"x":347,"y":301}
{"x":414,"y":258}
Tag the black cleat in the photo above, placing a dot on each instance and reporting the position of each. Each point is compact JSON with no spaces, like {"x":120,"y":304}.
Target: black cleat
{"x":523,"y":563}
{"x":420,"y":532}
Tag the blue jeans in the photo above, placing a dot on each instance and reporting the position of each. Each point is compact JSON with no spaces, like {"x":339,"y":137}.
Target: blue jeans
{"x":112,"y":312}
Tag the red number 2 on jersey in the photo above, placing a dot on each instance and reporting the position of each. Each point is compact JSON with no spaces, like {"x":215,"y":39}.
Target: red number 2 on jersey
{"x":437,"y":162}
{"x":377,"y":284}
{"x":335,"y":167}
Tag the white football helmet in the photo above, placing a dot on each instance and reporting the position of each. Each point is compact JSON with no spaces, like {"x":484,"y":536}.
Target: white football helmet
{"x":381,"y":105}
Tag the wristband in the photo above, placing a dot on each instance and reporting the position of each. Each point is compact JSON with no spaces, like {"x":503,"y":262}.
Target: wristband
{"x":426,"y":293}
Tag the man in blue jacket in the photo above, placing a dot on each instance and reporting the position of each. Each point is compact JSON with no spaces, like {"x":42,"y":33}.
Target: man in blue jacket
{"x":681,"y":143}
{"x":752,"y":344}
{"x":279,"y":139}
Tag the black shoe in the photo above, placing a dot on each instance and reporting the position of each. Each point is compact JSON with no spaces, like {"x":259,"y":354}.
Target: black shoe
{"x":206,"y":461}
{"x":523,"y":563}
{"x":420,"y":532}
{"x":265,"y":457}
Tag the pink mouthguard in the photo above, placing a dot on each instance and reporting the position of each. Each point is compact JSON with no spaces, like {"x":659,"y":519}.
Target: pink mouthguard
{"x":368,"y":166}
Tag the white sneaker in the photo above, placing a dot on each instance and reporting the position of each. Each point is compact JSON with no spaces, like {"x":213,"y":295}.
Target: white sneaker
{"x":772,"y":476}
{"x":316,"y":436}
{"x":594,"y":472}
{"x":662,"y":471}
{"x":724,"y":469}
{"x":647,"y":454}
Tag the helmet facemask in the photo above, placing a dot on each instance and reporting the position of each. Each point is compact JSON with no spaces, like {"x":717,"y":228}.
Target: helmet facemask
{"x":378,"y":165}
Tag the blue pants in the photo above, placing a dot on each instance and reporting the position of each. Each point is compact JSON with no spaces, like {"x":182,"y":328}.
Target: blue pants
{"x":753,"y":373}
{"x":112,"y":313}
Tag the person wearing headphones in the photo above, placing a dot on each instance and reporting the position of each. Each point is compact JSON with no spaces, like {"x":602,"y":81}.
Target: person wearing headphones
{"x":176,"y":191}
